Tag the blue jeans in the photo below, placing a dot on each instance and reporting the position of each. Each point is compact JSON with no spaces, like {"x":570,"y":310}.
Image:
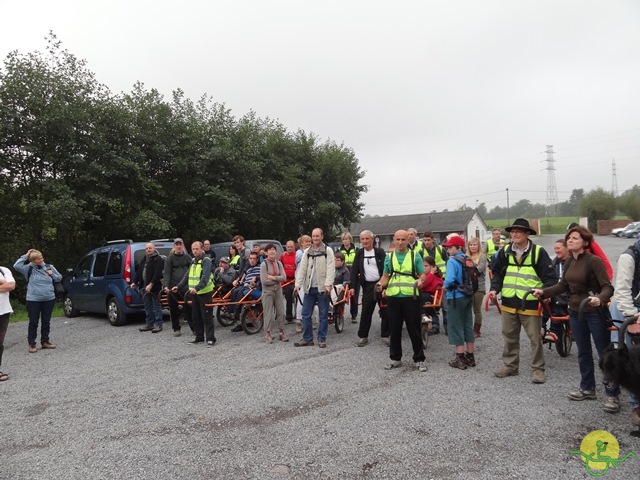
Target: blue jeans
{"x":310,"y":299}
{"x":152,"y":310}
{"x":583,"y":330}
{"x":618,"y":319}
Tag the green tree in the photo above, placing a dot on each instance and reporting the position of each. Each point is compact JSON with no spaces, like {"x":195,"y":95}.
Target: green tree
{"x":597,"y":205}
{"x":629,"y":203}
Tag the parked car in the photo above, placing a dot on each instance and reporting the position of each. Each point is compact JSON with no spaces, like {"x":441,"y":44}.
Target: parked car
{"x":620,"y":232}
{"x":222,"y":248}
{"x":632,"y":232}
{"x":100,"y":283}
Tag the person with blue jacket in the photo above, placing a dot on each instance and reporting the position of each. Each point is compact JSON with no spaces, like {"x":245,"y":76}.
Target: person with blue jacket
{"x":459,"y":306}
{"x":41,"y":295}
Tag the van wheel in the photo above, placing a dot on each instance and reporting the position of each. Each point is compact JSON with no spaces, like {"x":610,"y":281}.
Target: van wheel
{"x":115,"y":315}
{"x":69,"y":309}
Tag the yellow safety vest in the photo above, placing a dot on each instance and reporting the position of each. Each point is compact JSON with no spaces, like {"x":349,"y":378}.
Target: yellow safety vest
{"x":492,"y":249}
{"x":402,"y":282}
{"x":520,"y":278}
{"x":234,"y":260}
{"x":438,"y":258}
{"x":349,"y":256}
{"x":195,"y":272}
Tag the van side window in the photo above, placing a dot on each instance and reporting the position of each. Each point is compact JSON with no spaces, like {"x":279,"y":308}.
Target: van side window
{"x":100,"y":266}
{"x":115,"y":264}
{"x":83,"y":268}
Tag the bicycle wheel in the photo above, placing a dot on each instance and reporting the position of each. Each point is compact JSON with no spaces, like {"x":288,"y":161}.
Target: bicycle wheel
{"x":251,"y":319}
{"x":338,"y":322}
{"x":563,"y":345}
{"x":223,"y":316}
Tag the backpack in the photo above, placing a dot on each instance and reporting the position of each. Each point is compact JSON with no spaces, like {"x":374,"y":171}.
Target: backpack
{"x":469,"y":284}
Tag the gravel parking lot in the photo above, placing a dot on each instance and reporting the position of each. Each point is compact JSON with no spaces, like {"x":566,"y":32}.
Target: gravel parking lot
{"x":116,"y":403}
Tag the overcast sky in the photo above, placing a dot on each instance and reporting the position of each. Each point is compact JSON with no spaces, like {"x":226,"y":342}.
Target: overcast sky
{"x":444,"y":102}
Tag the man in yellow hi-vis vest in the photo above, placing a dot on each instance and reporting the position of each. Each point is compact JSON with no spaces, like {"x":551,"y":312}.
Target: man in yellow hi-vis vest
{"x":403,"y":276}
{"x":198,"y":280}
{"x":521,"y":266}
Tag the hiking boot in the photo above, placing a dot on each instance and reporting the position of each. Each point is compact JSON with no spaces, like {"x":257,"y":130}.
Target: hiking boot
{"x":612,"y":404}
{"x":469,"y":360}
{"x":156,"y":329}
{"x":48,"y":346}
{"x":581,"y":394}
{"x":195,"y":340}
{"x":426,"y":319}
{"x":385,"y":341}
{"x":237,"y":328}
{"x":362,"y":342}
{"x":32,"y":348}
{"x":210,"y":343}
{"x":146,"y":328}
{"x":177,"y":333}
{"x":422,"y":367}
{"x":303,"y":343}
{"x":506,"y":372}
{"x":458,"y":362}
{"x":354,"y":320}
{"x":538,"y":376}
{"x":322,"y":344}
{"x":635,"y":416}
{"x":298,"y":326}
{"x":393,"y":364}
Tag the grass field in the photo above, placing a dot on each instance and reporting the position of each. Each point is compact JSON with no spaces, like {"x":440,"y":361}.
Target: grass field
{"x":547,"y":225}
{"x":20,"y":312}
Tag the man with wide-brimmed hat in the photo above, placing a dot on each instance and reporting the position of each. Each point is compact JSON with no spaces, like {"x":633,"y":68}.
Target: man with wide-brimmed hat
{"x":518,"y":267}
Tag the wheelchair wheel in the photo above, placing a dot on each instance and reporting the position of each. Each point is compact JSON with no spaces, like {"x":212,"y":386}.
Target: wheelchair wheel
{"x":251,"y":319}
{"x":338,"y":322}
{"x":425,"y":334}
{"x":565,"y":340}
{"x":223,"y":316}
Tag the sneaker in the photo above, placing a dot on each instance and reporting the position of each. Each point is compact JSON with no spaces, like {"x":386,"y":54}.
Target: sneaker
{"x":385,"y":341}
{"x":426,"y":319}
{"x":433,"y":331}
{"x":303,"y":343}
{"x":538,"y":376}
{"x":469,"y":359}
{"x":393,"y":364}
{"x":32,"y":348}
{"x":362,"y":342}
{"x":298,"y":326}
{"x":635,"y":416}
{"x":48,"y":346}
{"x":146,"y":328}
{"x":195,"y":340}
{"x":458,"y":362}
{"x":237,"y":328}
{"x":422,"y":367}
{"x":177,"y":333}
{"x":581,"y":394}
{"x":210,"y":343}
{"x":506,"y":372}
{"x":156,"y":329}
{"x":550,"y":337}
{"x":354,"y":320}
{"x":612,"y":404}
{"x":322,"y":343}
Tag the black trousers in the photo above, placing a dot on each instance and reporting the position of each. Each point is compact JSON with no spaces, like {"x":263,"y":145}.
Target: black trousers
{"x":174,"y":310}
{"x":202,"y":317}
{"x":405,"y":310}
{"x":288,"y":296}
{"x":353,"y":304}
{"x":368,"y":307}
{"x":4,"y":324}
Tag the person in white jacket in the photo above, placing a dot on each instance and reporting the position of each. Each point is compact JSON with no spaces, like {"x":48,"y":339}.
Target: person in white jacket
{"x":315,"y":278}
{"x":627,"y":304}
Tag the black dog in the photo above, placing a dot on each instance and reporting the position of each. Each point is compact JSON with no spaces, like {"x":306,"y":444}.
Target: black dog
{"x":621,"y":366}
